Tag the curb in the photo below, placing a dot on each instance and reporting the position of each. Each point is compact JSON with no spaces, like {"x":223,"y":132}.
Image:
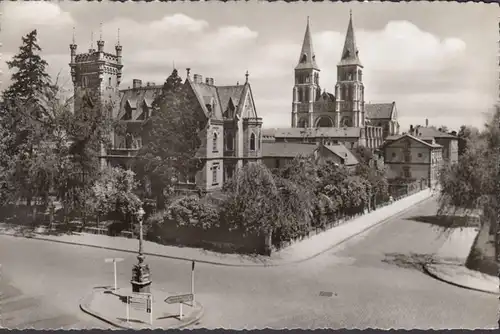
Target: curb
{"x":242,"y":265}
{"x":85,"y":302}
{"x":433,"y":274}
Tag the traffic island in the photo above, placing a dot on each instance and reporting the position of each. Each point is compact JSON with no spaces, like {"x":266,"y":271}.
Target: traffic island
{"x":115,"y":306}
{"x":458,"y":275}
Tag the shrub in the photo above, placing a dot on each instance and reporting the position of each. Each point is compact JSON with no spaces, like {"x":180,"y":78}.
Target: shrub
{"x":253,"y":201}
{"x":193,"y":212}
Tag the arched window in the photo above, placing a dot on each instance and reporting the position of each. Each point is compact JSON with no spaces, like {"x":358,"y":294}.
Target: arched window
{"x":300,"y":94}
{"x":303,"y":123}
{"x":324,"y":122}
{"x":214,"y":142}
{"x":109,"y":81}
{"x":307,"y":95}
{"x":252,"y":142}
{"x":343,"y":93}
{"x":229,"y":141}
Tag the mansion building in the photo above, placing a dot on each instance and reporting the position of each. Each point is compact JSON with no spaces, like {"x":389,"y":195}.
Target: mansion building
{"x":231,"y":137}
{"x":342,"y":117}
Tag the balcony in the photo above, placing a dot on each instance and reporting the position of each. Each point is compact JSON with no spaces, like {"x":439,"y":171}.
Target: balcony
{"x":122,"y":152}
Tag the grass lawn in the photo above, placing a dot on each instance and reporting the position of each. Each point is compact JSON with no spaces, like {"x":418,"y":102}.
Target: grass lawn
{"x":482,"y":254}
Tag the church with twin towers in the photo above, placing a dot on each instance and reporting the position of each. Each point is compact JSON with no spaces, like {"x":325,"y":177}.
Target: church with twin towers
{"x":343,"y":116}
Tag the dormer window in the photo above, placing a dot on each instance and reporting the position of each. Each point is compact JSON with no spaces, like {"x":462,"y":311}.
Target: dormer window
{"x":303,"y":59}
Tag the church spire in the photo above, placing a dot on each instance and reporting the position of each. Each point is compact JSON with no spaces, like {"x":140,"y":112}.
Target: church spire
{"x":307,"y":59}
{"x":350,"y":51}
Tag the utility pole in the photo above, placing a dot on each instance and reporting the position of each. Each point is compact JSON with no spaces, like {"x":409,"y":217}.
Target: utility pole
{"x":497,"y":228}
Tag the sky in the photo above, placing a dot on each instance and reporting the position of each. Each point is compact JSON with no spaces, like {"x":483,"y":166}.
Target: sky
{"x":435,"y":60}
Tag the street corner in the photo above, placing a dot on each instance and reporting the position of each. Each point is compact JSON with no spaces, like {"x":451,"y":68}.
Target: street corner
{"x":460,"y":276}
{"x":123,"y":309}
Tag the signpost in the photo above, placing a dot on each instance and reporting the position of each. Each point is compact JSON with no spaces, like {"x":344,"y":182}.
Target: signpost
{"x":192,"y":282}
{"x":180,"y":299}
{"x":114,"y":260}
{"x":143,"y":301}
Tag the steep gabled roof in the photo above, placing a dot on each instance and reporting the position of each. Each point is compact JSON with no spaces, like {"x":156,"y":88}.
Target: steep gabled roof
{"x":344,"y":153}
{"x":431,"y":132}
{"x":286,"y":150}
{"x":307,"y":58}
{"x":316,"y":132}
{"x":379,"y":110}
{"x":204,"y":93}
{"x":136,"y":98}
{"x":229,"y":94}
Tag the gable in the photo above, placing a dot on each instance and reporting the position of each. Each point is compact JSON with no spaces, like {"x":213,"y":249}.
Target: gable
{"x":410,"y":141}
{"x":249,"y":107}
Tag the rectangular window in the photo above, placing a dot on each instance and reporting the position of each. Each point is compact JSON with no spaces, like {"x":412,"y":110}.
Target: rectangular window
{"x":406,"y":172}
{"x":277,"y":163}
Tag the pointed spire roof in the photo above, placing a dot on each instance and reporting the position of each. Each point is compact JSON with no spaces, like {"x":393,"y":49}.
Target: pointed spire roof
{"x":350,"y":51}
{"x":307,"y":59}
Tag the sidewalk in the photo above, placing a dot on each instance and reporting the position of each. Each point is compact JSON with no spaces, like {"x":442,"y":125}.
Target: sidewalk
{"x":110,"y":306}
{"x":297,"y":252}
{"x":449,"y":265}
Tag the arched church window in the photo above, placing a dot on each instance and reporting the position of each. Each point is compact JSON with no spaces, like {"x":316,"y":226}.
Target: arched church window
{"x":307,"y":95}
{"x":360,"y":75}
{"x":349,"y":76}
{"x":109,"y":82}
{"x":252,"y":142}
{"x":229,"y":141}
{"x":214,"y":142}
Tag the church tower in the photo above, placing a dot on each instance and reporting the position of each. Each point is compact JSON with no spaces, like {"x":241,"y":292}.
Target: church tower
{"x":97,"y":72}
{"x":349,"y":90}
{"x":306,"y":87}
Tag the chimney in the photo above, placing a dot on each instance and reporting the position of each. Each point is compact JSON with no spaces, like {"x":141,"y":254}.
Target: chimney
{"x":209,"y":81}
{"x":426,"y":122}
{"x":136,"y":83}
{"x":198,"y":78}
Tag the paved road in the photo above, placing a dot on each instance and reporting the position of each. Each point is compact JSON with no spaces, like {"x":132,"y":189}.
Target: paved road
{"x":375,"y":281}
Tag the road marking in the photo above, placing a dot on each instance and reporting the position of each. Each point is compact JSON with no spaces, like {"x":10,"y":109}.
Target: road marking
{"x":325,"y":294}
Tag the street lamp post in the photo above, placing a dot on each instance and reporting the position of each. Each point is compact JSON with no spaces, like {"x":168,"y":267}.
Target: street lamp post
{"x":141,"y":275}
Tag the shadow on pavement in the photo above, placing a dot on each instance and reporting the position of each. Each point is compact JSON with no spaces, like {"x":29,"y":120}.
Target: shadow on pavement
{"x":446,"y":221}
{"x":409,"y":261}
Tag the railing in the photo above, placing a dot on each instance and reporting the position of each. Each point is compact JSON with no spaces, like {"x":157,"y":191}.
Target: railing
{"x":129,"y":152}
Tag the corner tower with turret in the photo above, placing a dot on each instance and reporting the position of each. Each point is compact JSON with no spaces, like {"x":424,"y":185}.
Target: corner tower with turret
{"x":96,"y":72}
{"x":306,"y":88}
{"x":349,"y":90}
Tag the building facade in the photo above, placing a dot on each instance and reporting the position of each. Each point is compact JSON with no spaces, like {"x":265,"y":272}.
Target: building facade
{"x":447,"y":141}
{"x":412,"y":159}
{"x":313,"y":108}
{"x":280,"y":154}
{"x":231,"y":138}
